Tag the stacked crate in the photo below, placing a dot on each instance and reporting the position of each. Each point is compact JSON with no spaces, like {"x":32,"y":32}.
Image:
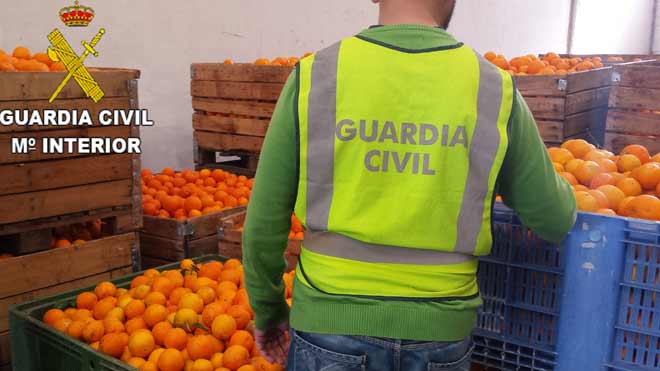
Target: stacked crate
{"x":568,"y":107}
{"x":41,"y":192}
{"x":232,"y":107}
{"x":164,"y":241}
{"x":634,"y":107}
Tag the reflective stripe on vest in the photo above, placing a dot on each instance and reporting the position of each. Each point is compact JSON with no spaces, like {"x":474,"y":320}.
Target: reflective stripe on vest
{"x":340,"y":246}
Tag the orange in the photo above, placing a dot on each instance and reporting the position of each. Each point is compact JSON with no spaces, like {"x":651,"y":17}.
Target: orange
{"x":141,"y":343}
{"x":176,"y":338}
{"x":75,"y":329}
{"x":630,"y":187}
{"x":210,"y":312}
{"x":103,"y":307}
{"x":226,"y":286}
{"x":202,"y":365}
{"x":656,"y":158}
{"x":193,"y":203}
{"x":648,"y":175}
{"x":155,"y":313}
{"x":162,"y":285}
{"x":231,"y":275}
{"x":140,"y":280}
{"x":628,"y":162}
{"x":136,"y":362}
{"x":490,"y":56}
{"x":86,"y":300}
{"x":603,"y":201}
{"x":608,"y":212}
{"x":601,"y":180}
{"x":639,"y":151}
{"x":645,"y":207}
{"x":227,"y":298}
{"x":242,"y":337}
{"x":112,"y":345}
{"x":134,"y":308}
{"x":211,"y":270}
{"x":113,"y":325}
{"x":246,"y":368}
{"x":149,"y":366}
{"x":614,"y":195}
{"x":93,"y":331}
{"x":216,"y":360}
{"x":105,"y":289}
{"x":171,"y":360}
{"x":21,"y":52}
{"x":135,"y":324}
{"x":235,"y":356}
{"x":175,"y":277}
{"x":141,"y":292}
{"x":587,"y":171}
{"x":200,"y":347}
{"x":116,"y":313}
{"x":62,"y":324}
{"x":177,"y":293}
{"x":82,"y":314}
{"x":62,"y":243}
{"x":241,"y":316}
{"x":223,"y":326}
{"x":595,"y":155}
{"x":586,"y":201}
{"x":160,"y":331}
{"x":607,"y":165}
{"x":185,"y":318}
{"x":192,"y":301}
{"x":155,"y":297}
{"x":535,"y":67}
{"x":207,"y":294}
{"x":578,"y":147}
{"x":52,"y":316}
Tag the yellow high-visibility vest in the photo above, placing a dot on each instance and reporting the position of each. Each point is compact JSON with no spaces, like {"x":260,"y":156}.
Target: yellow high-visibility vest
{"x":399,"y":154}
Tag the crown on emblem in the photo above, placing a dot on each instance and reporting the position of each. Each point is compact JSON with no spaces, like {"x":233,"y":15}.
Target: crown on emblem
{"x":76,"y":15}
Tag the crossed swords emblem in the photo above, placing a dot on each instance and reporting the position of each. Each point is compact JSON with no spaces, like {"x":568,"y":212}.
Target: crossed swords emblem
{"x":61,"y":51}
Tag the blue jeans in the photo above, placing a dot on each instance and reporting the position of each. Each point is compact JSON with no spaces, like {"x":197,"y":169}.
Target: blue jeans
{"x":316,"y":352}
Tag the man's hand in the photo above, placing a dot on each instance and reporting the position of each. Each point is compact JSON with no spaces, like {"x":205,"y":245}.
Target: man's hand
{"x":273,"y":344}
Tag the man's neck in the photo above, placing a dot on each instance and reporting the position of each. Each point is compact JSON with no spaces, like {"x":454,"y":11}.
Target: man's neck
{"x":386,"y":20}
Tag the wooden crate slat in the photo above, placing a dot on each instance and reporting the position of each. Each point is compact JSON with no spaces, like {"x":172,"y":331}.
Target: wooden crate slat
{"x":587,"y":100}
{"x":236,"y":90}
{"x":81,"y":132}
{"x":551,"y":131}
{"x":633,"y":122}
{"x":228,"y":142}
{"x":548,"y":108}
{"x":151,"y":262}
{"x":44,"y":269}
{"x":161,"y":227}
{"x":161,"y":248}
{"x":616,"y":142}
{"x":42,"y":204}
{"x":63,"y":220}
{"x":230,"y":125}
{"x":583,"y":121}
{"x":62,"y":104}
{"x":40,"y":86}
{"x":240,"y":72}
{"x":635,"y":98}
{"x":207,"y":225}
{"x":203,"y":246}
{"x":639,"y":76}
{"x":238,"y":107}
{"x":38,"y":176}
{"x":549,"y":85}
{"x":587,"y":80}
{"x":230,"y":249}
{"x":56,"y":289}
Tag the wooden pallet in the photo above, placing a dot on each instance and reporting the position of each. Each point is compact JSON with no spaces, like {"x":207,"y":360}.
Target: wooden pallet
{"x":41,"y":191}
{"x":165,"y":241}
{"x":54,"y":271}
{"x":233,"y":105}
{"x":634,"y":107}
{"x":231,"y":241}
{"x":568,"y":106}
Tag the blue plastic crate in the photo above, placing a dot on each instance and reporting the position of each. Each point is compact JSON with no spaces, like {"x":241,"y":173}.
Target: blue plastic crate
{"x":637,"y":331}
{"x":555,"y":307}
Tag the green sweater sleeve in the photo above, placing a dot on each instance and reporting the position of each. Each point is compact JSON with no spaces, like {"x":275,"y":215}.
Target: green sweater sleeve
{"x":268,"y":220}
{"x":528,"y":182}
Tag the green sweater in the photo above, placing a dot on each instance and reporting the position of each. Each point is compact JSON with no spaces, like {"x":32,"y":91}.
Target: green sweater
{"x":527,"y":183}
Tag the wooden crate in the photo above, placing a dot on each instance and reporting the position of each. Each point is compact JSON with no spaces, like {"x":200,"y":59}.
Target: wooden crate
{"x":231,"y":241}
{"x":54,"y":271}
{"x":570,"y":106}
{"x":165,"y":241}
{"x":42,"y":191}
{"x":634,"y":107}
{"x":232,"y":107}
{"x":627,"y":58}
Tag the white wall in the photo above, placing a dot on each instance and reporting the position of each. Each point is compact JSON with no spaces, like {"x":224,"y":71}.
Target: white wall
{"x":613,"y":26}
{"x":656,"y":42}
{"x":162,"y":38}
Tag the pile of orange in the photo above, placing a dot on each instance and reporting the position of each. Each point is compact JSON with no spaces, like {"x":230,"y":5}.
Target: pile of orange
{"x":549,"y":64}
{"x":297,"y":231}
{"x":279,"y":61}
{"x":627,"y":184}
{"x":188,"y":194}
{"x":194,"y":319}
{"x":76,"y":234}
{"x":22,"y":59}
